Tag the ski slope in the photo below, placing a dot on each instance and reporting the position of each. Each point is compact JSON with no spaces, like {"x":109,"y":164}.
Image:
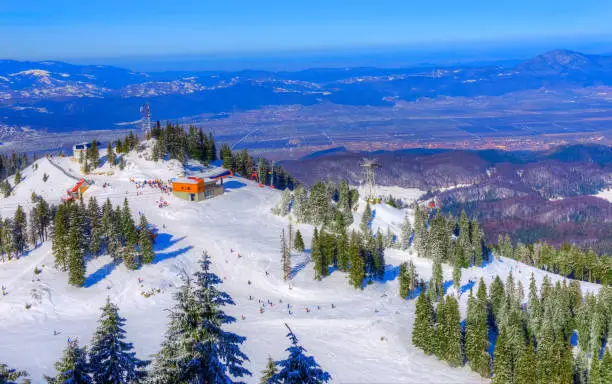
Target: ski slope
{"x":365,"y":338}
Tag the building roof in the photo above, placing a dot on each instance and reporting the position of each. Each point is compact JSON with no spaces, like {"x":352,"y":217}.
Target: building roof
{"x":188,"y":180}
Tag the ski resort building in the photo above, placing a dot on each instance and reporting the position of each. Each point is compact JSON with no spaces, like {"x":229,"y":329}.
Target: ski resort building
{"x":77,"y":149}
{"x":196,"y":189}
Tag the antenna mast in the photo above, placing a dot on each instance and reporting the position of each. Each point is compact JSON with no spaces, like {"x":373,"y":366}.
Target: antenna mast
{"x":369,"y":168}
{"x":145,"y":113}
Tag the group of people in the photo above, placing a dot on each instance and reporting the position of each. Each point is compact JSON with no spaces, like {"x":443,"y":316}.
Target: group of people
{"x":291,"y":310}
{"x":163,"y":186}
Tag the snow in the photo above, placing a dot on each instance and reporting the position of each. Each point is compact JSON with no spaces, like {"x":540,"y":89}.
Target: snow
{"x":365,"y":338}
{"x":32,"y":72}
{"x":605,"y":194}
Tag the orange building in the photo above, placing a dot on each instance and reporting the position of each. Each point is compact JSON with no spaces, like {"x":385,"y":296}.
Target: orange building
{"x":195,"y":188}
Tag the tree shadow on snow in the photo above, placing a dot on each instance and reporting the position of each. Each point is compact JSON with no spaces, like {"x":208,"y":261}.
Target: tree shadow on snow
{"x":159,"y":257}
{"x":233,"y":184}
{"x":391,"y":273}
{"x":447,"y":285}
{"x":301,"y":265}
{"x":100,"y":274}
{"x":164,"y":241}
{"x":466,"y":287}
{"x":487,"y":261}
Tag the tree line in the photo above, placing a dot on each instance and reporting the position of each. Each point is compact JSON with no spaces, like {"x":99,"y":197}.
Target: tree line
{"x":196,"y":348}
{"x":568,"y":260}
{"x":77,"y":232}
{"x":81,"y":231}
{"x":518,"y":343}
{"x":267,"y":173}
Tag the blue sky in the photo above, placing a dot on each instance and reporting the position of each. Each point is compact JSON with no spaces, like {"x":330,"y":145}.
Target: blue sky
{"x":64,"y":29}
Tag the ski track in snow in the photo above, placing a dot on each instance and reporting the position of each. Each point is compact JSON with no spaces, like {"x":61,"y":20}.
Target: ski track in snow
{"x":366,"y":338}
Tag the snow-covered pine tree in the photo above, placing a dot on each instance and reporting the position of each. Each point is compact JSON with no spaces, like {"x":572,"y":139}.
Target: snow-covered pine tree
{"x":20,"y":231}
{"x":525,"y":371}
{"x":463,"y":241}
{"x":606,"y":367}
{"x":319,"y":204}
{"x":270,"y":371}
{"x":10,"y":375}
{"x":316,"y":252}
{"x":72,"y":367}
{"x":406,"y":234}
{"x":298,"y":368}
{"x":342,"y":250}
{"x":496,"y":296}
{"x":502,"y":357}
{"x":457,"y":275}
{"x":436,"y":284}
{"x":111,"y":157}
{"x":300,"y":204}
{"x":196,"y":349}
{"x":404,"y":288}
{"x":111,"y":358}
{"x":476,"y":239}
{"x":366,"y":218}
{"x":299,"y":242}
{"x":476,"y":332}
{"x":344,"y":202}
{"x":144,"y":241}
{"x":379,"y":256}
{"x":448,"y":332}
{"x":389,"y":238}
{"x":285,"y":257}
{"x":76,"y":257}
{"x":357,"y":263}
{"x":130,"y":257}
{"x":282,"y":208}
{"x":423,"y":331}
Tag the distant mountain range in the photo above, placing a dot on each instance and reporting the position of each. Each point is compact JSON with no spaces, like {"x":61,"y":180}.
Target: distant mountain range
{"x":60,"y":97}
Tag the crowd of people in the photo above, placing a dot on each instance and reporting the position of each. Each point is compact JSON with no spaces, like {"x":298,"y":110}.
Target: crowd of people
{"x":162,"y":186}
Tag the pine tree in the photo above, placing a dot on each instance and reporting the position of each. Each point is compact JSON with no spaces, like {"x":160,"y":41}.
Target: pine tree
{"x":502,"y":357}
{"x":76,"y":261}
{"x":497,"y":295}
{"x":456,"y":276}
{"x":298,"y":242}
{"x":270,"y":371}
{"x":476,"y":238}
{"x":448,"y":332}
{"x":606,"y":367}
{"x":111,"y":359}
{"x":476,"y":332}
{"x":316,"y":250}
{"x":94,"y":154}
{"x":357,"y":263}
{"x":342,"y":251}
{"x":404,"y":289}
{"x":406,"y":233}
{"x":595,"y":370}
{"x":20,"y":228}
{"x":366,"y":218}
{"x":10,"y":375}
{"x":344,"y":202}
{"x":197,"y":349}
{"x":72,"y":368}
{"x":130,"y":257}
{"x":298,"y":368}
{"x":525,"y":372}
{"x":144,"y":241}
{"x":17,"y":178}
{"x":436,"y":285}
{"x":423,"y":331}
{"x":285,"y":257}
{"x":111,"y":157}
{"x":463,"y":241}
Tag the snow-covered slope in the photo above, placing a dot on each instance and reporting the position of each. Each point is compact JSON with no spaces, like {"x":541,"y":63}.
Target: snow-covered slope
{"x":365,"y":338}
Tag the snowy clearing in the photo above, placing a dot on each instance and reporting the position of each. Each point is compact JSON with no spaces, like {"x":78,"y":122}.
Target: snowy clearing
{"x":366,"y":338}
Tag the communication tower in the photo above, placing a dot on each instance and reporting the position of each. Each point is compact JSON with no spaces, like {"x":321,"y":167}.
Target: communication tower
{"x":369,"y":168}
{"x":145,"y":113}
